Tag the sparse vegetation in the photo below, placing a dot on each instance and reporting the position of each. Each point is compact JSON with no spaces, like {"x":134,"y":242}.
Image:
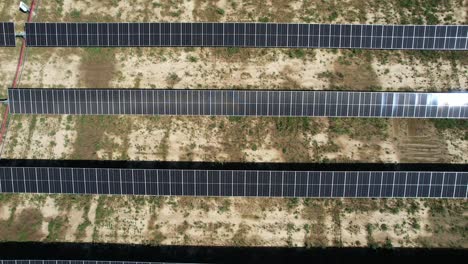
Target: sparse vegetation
{"x":192,"y":59}
{"x":97,"y":67}
{"x":444,"y":124}
{"x":103,"y":210}
{"x":81,"y":230}
{"x":157,"y":237}
{"x":388,"y":243}
{"x":172,"y":79}
{"x":240,"y":236}
{"x":75,"y":14}
{"x":92,"y":137}
{"x":56,"y":228}
{"x":363,"y":128}
{"x":225,"y":206}
{"x":296,"y":53}
{"x":347,"y":221}
{"x":232,"y":50}
{"x":22,"y":227}
{"x":220,"y":11}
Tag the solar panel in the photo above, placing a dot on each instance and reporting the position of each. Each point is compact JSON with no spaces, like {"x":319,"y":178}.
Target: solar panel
{"x":238,"y":103}
{"x":7,"y":34}
{"x":420,"y":37}
{"x":248,"y":183}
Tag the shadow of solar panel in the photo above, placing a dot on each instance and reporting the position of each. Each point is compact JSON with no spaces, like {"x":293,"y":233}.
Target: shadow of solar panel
{"x":36,"y":261}
{"x":249,"y":183}
{"x":238,"y":103}
{"x":7,"y":34}
{"x":440,"y":37}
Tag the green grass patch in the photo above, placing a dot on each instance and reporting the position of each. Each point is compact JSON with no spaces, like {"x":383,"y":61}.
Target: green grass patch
{"x":296,"y":53}
{"x":220,"y":11}
{"x":231,"y":51}
{"x":103,"y":210}
{"x":360,"y":127}
{"x":81,"y":230}
{"x":75,"y":14}
{"x":66,"y":202}
{"x":295,"y":124}
{"x":444,"y":124}
{"x":56,"y":228}
{"x":192,"y":59}
{"x":225,"y":206}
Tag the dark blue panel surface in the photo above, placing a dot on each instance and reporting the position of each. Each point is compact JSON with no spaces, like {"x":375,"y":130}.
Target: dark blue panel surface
{"x":238,"y":103}
{"x":242,"y":35}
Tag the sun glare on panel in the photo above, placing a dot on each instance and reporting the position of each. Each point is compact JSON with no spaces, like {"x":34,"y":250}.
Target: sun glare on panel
{"x":455,"y":99}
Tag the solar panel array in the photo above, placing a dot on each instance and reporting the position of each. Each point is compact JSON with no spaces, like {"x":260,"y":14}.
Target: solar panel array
{"x":7,"y":34}
{"x":237,"y":103}
{"x":254,"y":183}
{"x":421,"y":37}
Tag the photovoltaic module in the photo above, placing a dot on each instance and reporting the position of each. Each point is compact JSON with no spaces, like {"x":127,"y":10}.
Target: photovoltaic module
{"x":238,"y":103}
{"x":260,"y":35}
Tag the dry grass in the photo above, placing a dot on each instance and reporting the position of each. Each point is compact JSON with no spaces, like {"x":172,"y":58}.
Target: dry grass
{"x":92,"y":137}
{"x":97,"y":67}
{"x":353,"y":71}
{"x":315,"y":211}
{"x":26,"y":226}
{"x":237,"y":221}
{"x":448,"y":223}
{"x":366,"y":128}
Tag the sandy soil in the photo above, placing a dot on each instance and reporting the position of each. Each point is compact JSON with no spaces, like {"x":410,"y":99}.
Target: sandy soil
{"x":350,"y":149}
{"x":266,"y":152}
{"x":237,"y":221}
{"x":192,"y":141}
{"x":404,"y":236}
{"x":151,"y":70}
{"x":115,"y":152}
{"x":437,"y":75}
{"x":457,"y":146}
{"x":58,"y":70}
{"x":40,"y":138}
{"x":215,"y":139}
{"x":7,"y":71}
{"x":144,"y":142}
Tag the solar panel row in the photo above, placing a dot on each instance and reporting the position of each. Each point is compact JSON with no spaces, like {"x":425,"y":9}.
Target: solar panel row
{"x":7,"y":34}
{"x":255,"y":183}
{"x":436,"y":37}
{"x":237,"y":103}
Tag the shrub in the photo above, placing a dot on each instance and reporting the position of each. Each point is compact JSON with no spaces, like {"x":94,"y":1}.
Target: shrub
{"x":75,"y":14}
{"x":220,"y":11}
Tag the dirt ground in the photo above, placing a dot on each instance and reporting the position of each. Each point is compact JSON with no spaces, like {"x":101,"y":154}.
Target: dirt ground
{"x":232,"y":140}
{"x":197,"y":221}
{"x":235,"y":221}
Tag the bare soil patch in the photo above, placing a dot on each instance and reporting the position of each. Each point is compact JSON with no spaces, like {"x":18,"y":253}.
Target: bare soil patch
{"x":22,"y":227}
{"x":419,"y":142}
{"x":97,"y":67}
{"x":91,"y":138}
{"x":353,"y":71}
